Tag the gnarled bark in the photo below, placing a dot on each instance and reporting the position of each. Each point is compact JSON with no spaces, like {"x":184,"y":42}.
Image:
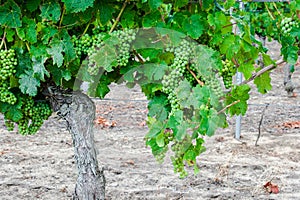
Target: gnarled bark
{"x":288,"y":84}
{"x":79,"y":112}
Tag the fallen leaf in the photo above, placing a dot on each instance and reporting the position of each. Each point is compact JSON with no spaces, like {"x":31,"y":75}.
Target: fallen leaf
{"x":271,"y":188}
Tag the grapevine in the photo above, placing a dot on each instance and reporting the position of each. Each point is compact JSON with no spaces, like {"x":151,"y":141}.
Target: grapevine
{"x":227,"y":72}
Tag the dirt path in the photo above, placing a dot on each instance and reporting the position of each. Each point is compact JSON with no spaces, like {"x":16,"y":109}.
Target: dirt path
{"x":42,"y":166}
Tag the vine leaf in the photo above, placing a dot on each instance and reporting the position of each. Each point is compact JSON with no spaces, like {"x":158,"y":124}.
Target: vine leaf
{"x":194,"y":26}
{"x":241,"y":94}
{"x":154,"y":4}
{"x":157,"y":108}
{"x":263,"y":82}
{"x":28,"y":83}
{"x":27,"y":31}
{"x":246,"y":69}
{"x":230,"y":46}
{"x":39,"y":69}
{"x":10,"y":14}
{"x":106,"y":12}
{"x":75,"y":6}
{"x":50,"y":10}
{"x":105,"y":57}
{"x":56,"y":51}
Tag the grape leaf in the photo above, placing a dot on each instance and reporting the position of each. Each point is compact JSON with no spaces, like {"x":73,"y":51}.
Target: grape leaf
{"x":246,"y":69}
{"x":181,"y":3}
{"x":160,"y":139}
{"x":207,"y":60}
{"x":14,"y":113}
{"x":50,"y":10}
{"x":155,"y":127}
{"x":56,"y":51}
{"x":39,"y":69}
{"x":102,"y":89}
{"x":153,"y":71}
{"x":59,"y":73}
{"x":241,"y":94}
{"x":75,"y":6}
{"x":28,"y":83}
{"x":157,"y":108}
{"x":106,"y":12}
{"x":220,"y":22}
{"x":230,"y":46}
{"x":10,"y":14}
{"x":194,"y":26}
{"x":105,"y":57}
{"x":154,"y":4}
{"x":32,"y":5}
{"x":68,"y":47}
{"x":263,"y":82}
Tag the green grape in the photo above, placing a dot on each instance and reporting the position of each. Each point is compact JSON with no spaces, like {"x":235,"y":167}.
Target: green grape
{"x":171,"y":81}
{"x":8,"y":63}
{"x":6,"y":96}
{"x":287,"y":24}
{"x":227,"y":72}
{"x":34,"y":114}
{"x":125,"y":37}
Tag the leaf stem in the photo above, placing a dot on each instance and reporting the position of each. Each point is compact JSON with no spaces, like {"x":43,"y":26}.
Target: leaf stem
{"x":3,"y":40}
{"x":274,"y":4}
{"x":194,"y":75}
{"x":119,"y":16}
{"x":269,"y":12}
{"x":62,"y":16}
{"x":228,"y":106}
{"x":86,"y":28}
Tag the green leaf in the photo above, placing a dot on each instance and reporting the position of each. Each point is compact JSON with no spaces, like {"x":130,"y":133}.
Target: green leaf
{"x":10,"y":33}
{"x":160,"y":139}
{"x":102,"y":89}
{"x":181,"y":3}
{"x":10,"y":14}
{"x":207,"y":60}
{"x":246,"y":69}
{"x":194,"y":26}
{"x":267,"y":60}
{"x":230,"y":46}
{"x":241,"y":94}
{"x":181,"y":130}
{"x":263,"y":83}
{"x":154,"y":4}
{"x":32,"y":5}
{"x":220,"y":22}
{"x":157,"y":108}
{"x":106,"y":12}
{"x":56,"y":51}
{"x":14,"y":113}
{"x":155,"y":127}
{"x":28,"y":83}
{"x":30,"y":32}
{"x":50,"y":10}
{"x":151,"y":19}
{"x":75,"y":6}
{"x":39,"y":69}
{"x":105,"y":57}
{"x":68,"y":47}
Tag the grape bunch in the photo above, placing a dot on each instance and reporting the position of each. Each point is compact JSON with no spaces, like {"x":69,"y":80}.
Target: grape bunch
{"x":9,"y":124}
{"x":287,"y":24}
{"x":126,"y":37}
{"x":227,"y":72}
{"x":6,"y":96}
{"x":179,"y":148}
{"x":213,"y":83}
{"x":8,"y":62}
{"x":171,"y":81}
{"x":34,"y":114}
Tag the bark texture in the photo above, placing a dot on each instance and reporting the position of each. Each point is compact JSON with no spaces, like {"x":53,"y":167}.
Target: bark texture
{"x":79,"y":112}
{"x":288,"y":84}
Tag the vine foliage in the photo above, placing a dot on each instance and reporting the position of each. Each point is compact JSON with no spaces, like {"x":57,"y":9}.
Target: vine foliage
{"x":183,"y":54}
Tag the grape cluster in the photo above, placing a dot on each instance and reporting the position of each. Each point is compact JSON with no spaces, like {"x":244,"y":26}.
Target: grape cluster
{"x":213,"y":83}
{"x":227,"y":72}
{"x":8,"y":63}
{"x":171,"y":81}
{"x":287,"y":24}
{"x":179,"y":148}
{"x":34,"y":114}
{"x":125,"y":37}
